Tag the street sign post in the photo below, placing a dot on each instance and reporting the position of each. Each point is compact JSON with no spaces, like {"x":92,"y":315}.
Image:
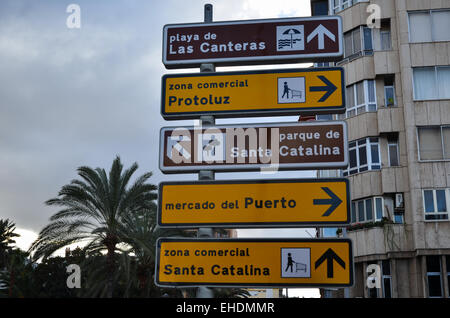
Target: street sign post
{"x":252,"y":147}
{"x":254,"y":203}
{"x":254,"y":262}
{"x":269,"y":41}
{"x":253,"y":93}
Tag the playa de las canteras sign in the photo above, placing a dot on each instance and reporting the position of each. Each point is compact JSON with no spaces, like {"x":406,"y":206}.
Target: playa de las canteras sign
{"x":247,"y":42}
{"x":254,"y":203}
{"x":252,"y":147}
{"x":254,"y":262}
{"x":253,"y":93}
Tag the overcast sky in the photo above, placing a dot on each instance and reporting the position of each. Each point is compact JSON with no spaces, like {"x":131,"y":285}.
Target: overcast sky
{"x":74,"y":97}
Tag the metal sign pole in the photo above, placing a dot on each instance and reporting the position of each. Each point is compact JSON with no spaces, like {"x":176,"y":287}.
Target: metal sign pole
{"x":205,"y":292}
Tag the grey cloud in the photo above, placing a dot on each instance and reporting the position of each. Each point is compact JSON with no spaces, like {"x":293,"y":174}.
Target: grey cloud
{"x":79,"y":97}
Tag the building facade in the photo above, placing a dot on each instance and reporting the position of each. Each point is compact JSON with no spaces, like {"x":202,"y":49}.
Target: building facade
{"x":397,"y":77}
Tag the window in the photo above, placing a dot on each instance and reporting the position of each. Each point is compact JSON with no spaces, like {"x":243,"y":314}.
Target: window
{"x":378,"y":208}
{"x":389,"y":96}
{"x":360,"y":98}
{"x":447,"y":260}
{"x":358,"y":42}
{"x":434,"y":276}
{"x":353,"y":213}
{"x":322,"y":64}
{"x":387,"y":278}
{"x":385,"y":37}
{"x":434,"y":143}
{"x":329,"y":232}
{"x":389,"y":91}
{"x":339,"y":5}
{"x":393,"y":156}
{"x":363,"y":155}
{"x":319,"y":7}
{"x":399,"y":217}
{"x":435,"y":204}
{"x":429,"y":26}
{"x":431,"y":82}
{"x":385,"y":290}
{"x":382,"y":36}
{"x":367,"y":210}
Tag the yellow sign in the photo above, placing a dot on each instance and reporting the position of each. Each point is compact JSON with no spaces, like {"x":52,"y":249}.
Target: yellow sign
{"x":254,"y":262}
{"x":254,"y":203}
{"x":253,"y":93}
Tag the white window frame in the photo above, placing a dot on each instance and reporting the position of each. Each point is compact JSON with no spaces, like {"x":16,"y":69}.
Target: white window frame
{"x":366,"y":105}
{"x":374,"y":211}
{"x":386,"y":98}
{"x":363,"y":51}
{"x":370,"y":163}
{"x":430,"y":12}
{"x":342,"y":5}
{"x":435,"y":209}
{"x":375,"y":208}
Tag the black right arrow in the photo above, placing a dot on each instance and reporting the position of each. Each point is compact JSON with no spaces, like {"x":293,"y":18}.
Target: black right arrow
{"x":334,"y":201}
{"x":329,"y":255}
{"x":329,"y":89}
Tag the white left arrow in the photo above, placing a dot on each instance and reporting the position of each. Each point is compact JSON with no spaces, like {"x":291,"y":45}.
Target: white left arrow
{"x":320,"y":32}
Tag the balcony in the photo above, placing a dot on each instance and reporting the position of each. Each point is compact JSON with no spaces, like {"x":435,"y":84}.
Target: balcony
{"x":365,"y":184}
{"x":359,"y":68}
{"x":383,"y":239}
{"x":390,"y":119}
{"x":394,"y":179}
{"x":386,"y":62}
{"x":363,"y":125}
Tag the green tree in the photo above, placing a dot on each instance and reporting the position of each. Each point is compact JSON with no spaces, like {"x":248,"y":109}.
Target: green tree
{"x":7,"y":236}
{"x":17,"y":279}
{"x":140,"y":234}
{"x":93,"y":211}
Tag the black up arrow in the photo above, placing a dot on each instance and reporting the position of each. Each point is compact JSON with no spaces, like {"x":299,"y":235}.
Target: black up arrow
{"x":334,"y":201}
{"x":329,"y":89}
{"x":329,"y":256}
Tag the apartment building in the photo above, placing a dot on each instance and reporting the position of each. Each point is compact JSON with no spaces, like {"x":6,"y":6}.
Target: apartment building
{"x":397,"y":77}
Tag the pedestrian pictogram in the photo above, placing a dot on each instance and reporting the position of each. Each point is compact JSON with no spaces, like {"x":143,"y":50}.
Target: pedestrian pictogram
{"x":291,"y":90}
{"x":295,"y":262}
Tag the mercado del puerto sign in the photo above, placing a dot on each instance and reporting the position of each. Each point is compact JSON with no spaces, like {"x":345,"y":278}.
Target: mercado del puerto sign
{"x":254,"y":203}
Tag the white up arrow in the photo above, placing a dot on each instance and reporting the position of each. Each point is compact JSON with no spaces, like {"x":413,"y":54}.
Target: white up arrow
{"x":320,"y":31}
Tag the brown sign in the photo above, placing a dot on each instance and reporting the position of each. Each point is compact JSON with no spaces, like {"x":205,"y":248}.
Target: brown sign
{"x":253,"y":42}
{"x":250,"y":147}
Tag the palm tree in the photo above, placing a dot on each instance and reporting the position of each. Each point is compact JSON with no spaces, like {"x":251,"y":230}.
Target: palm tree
{"x":93,"y":210}
{"x":140,"y":234}
{"x":7,"y":235}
